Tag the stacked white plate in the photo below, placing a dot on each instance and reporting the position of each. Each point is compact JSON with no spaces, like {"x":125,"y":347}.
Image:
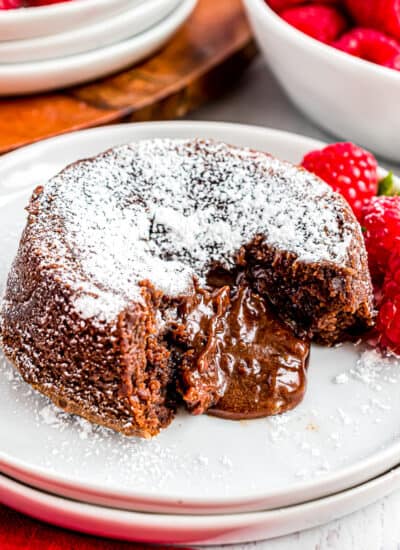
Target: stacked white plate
{"x":70,"y":43}
{"x":203,"y":480}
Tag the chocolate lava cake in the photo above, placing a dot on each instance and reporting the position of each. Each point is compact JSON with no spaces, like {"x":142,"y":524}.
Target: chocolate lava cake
{"x":170,"y":271}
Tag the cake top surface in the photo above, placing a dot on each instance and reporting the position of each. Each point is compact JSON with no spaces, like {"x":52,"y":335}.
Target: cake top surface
{"x":163,"y":210}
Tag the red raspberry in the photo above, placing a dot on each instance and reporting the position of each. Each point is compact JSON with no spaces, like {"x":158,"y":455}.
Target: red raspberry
{"x":11,"y":4}
{"x":370,"y":45}
{"x":394,"y":63}
{"x":391,"y":287}
{"x":325,"y":23}
{"x":380,"y":219}
{"x":388,"y":322}
{"x":37,"y":3}
{"x":383,"y":15}
{"x":348,"y":169}
{"x":279,"y":5}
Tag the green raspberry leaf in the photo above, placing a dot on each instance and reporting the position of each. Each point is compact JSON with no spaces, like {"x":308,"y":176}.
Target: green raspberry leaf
{"x":386,"y":186}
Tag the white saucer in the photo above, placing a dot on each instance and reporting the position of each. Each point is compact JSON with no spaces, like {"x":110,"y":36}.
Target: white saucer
{"x":193,"y":530}
{"x":29,"y":22}
{"x":116,"y":28}
{"x":343,"y":434}
{"x":26,"y":78}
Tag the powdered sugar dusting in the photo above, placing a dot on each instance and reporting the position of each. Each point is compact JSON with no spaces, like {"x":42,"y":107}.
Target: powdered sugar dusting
{"x":164,"y":209}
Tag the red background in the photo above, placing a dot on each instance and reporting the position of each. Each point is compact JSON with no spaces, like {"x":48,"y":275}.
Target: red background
{"x":18,"y":531}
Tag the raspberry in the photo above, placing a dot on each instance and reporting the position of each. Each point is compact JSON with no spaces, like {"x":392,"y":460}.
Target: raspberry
{"x":391,"y":287}
{"x":394,"y":63}
{"x":278,"y":5}
{"x":370,"y":45}
{"x":11,"y":4}
{"x":348,"y":169}
{"x":383,"y":15}
{"x":37,"y":3}
{"x":380,"y":219}
{"x":388,"y":321}
{"x":324,"y":23}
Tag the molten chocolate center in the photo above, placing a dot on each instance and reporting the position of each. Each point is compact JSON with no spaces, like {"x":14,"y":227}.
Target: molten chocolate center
{"x":240,"y":360}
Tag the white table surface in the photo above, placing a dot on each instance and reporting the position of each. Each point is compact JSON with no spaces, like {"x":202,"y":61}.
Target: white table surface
{"x":257,"y":99}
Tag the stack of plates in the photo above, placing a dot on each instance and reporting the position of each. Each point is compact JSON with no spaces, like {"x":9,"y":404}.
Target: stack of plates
{"x":65,"y":44}
{"x":203,"y":480}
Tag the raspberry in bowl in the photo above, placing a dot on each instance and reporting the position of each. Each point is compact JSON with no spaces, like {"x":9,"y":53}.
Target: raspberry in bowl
{"x":350,"y":97}
{"x":368,"y":30}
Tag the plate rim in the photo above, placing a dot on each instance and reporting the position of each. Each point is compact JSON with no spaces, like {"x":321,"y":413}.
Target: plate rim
{"x":14,"y":23}
{"x":344,"y":478}
{"x":199,"y":529}
{"x":40,"y":14}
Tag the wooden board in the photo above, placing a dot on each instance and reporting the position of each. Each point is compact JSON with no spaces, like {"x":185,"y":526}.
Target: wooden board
{"x":204,"y":59}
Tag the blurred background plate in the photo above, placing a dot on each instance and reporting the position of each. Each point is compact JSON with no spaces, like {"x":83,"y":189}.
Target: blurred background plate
{"x":178,"y":78}
{"x":29,"y":22}
{"x":115,"y":28}
{"x":26,"y":78}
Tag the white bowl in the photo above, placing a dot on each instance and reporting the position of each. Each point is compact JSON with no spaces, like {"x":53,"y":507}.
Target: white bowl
{"x":40,"y":76}
{"x":29,"y":22}
{"x":352,"y":98}
{"x":115,"y":28}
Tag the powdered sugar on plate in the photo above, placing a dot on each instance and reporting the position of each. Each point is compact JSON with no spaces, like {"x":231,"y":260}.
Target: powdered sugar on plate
{"x":148,"y":463}
{"x":311,"y":441}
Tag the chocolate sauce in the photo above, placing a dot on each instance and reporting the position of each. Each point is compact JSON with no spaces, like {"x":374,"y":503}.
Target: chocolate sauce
{"x":203,"y":380}
{"x":241,"y":361}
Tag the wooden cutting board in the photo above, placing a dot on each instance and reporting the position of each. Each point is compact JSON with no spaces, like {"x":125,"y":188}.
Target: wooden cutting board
{"x":204,"y":59}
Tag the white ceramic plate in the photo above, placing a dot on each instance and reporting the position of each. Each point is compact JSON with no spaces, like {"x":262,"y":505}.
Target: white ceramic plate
{"x":26,"y":78}
{"x":115,"y":28}
{"x":341,"y":435}
{"x":29,"y":22}
{"x":193,"y":530}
